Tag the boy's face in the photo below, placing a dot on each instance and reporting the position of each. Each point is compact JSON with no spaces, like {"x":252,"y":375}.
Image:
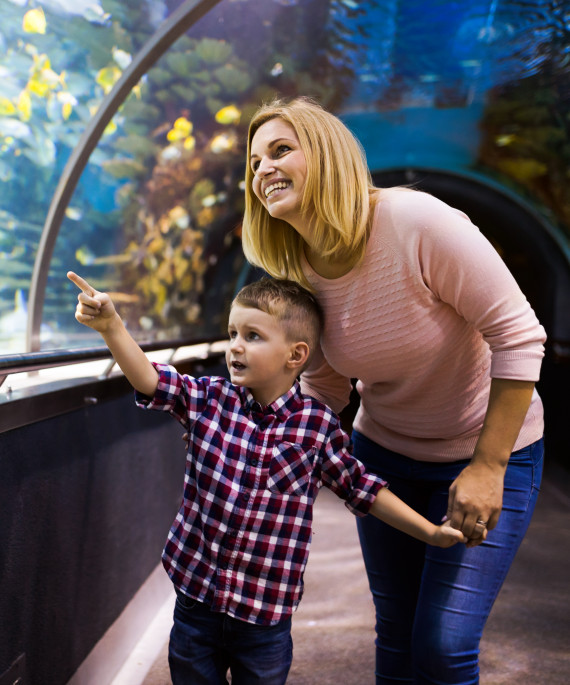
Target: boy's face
{"x":259,"y":354}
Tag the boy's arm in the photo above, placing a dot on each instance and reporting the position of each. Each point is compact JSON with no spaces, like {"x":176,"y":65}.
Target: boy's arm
{"x":396,"y":513}
{"x":96,"y":310}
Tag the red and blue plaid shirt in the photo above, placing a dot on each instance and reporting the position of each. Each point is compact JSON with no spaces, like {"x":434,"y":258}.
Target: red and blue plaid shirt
{"x":240,"y":540}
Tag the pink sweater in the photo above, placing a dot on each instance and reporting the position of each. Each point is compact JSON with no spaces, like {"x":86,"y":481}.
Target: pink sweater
{"x":424,"y":323}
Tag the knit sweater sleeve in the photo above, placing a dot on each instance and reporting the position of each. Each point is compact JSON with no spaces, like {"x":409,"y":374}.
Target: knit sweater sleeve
{"x":461,"y":268}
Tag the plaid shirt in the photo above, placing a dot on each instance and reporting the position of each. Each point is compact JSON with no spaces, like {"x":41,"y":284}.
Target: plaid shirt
{"x":240,"y":541}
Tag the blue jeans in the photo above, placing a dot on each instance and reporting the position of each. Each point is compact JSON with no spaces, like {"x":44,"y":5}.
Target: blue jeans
{"x":431,"y":603}
{"x":204,"y":644}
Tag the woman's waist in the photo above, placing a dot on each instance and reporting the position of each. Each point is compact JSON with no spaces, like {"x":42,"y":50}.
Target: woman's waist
{"x":438,"y":434}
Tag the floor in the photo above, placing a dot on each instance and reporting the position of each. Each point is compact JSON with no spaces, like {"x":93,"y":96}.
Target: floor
{"x":526,"y":641}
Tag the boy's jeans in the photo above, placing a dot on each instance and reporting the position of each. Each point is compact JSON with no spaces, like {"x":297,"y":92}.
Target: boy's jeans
{"x":205,"y":644}
{"x":432,"y":603}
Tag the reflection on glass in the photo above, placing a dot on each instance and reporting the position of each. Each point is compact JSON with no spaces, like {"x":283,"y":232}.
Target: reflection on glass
{"x":155,"y":217}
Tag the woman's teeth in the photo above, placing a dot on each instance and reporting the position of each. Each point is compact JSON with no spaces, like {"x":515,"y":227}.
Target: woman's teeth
{"x":275,"y":186}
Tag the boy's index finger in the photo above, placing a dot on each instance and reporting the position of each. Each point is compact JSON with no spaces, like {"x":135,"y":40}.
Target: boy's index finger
{"x":81,"y":283}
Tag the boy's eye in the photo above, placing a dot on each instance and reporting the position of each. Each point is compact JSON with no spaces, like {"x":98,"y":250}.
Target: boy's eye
{"x":253,"y":336}
{"x":232,"y":334}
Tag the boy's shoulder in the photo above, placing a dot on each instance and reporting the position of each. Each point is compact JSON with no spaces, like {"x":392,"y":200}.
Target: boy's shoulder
{"x":311,"y":407}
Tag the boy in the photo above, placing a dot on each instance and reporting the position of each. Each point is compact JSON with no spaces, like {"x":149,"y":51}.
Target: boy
{"x":258,"y":453}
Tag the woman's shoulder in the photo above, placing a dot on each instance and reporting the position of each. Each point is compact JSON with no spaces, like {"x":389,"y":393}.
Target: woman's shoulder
{"x":402,"y":206}
{"x":406,"y":197}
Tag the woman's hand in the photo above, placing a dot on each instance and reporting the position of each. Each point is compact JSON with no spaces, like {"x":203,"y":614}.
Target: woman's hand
{"x":475,"y":500}
{"x":476,"y":495}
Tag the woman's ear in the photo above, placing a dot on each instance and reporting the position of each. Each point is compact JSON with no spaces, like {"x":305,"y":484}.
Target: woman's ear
{"x":298,"y":356}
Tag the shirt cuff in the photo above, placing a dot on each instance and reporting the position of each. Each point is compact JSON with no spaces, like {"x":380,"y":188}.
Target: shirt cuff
{"x":364,"y":494}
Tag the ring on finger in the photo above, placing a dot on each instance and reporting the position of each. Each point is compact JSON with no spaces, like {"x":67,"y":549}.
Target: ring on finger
{"x":480,"y":522}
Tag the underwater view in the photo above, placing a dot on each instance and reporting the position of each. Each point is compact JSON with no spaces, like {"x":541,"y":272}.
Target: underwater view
{"x":155,"y":217}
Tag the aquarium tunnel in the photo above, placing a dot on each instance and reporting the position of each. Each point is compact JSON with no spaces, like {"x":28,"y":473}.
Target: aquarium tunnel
{"x":122,"y":148}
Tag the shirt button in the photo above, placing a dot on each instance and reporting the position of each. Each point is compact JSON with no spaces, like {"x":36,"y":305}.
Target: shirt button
{"x":254,"y":462}
{"x":246,"y":496}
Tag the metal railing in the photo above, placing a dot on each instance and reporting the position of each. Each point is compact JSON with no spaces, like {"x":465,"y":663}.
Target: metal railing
{"x":38,"y":361}
{"x":55,"y":396}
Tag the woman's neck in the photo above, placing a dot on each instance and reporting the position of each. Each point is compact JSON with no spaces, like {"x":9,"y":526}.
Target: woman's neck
{"x":327,"y":267}
{"x":332,"y":267}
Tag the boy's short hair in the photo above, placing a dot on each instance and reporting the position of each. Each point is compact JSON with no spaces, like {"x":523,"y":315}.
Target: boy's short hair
{"x":293,"y":306}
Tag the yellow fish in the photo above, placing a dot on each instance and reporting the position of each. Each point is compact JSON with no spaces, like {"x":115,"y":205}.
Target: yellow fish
{"x":6,"y":107}
{"x":25,"y":105}
{"x":34,"y":21}
{"x":222,"y":143}
{"x":107,"y":77}
{"x":228,"y":115}
{"x":182,"y":129}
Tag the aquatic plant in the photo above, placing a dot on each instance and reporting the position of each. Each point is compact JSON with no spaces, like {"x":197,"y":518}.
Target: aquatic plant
{"x":526,"y":131}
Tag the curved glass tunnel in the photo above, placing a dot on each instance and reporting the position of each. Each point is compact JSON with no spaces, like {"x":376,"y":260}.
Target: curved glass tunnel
{"x":122,"y":142}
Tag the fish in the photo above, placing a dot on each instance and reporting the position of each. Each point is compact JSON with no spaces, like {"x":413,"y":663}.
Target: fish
{"x":34,"y":21}
{"x":228,"y":115}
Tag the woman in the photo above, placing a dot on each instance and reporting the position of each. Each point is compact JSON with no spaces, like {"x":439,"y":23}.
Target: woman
{"x":422,"y":311}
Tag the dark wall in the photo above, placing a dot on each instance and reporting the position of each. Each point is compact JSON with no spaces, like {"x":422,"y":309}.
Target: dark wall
{"x":86,"y":501}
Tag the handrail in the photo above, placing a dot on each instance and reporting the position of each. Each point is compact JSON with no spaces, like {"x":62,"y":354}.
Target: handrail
{"x":23,"y":405}
{"x":37,"y":361}
{"x":171,"y":29}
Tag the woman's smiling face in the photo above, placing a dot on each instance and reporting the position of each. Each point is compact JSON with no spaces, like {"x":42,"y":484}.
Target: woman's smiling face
{"x":280,"y":170}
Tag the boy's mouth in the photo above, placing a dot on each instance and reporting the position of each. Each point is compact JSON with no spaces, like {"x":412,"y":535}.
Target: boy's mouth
{"x":238,"y":366}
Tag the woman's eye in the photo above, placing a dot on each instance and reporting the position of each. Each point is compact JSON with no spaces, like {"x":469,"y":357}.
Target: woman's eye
{"x":282,"y":149}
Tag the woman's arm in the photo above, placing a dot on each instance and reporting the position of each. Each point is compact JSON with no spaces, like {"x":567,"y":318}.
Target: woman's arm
{"x":463,"y":269}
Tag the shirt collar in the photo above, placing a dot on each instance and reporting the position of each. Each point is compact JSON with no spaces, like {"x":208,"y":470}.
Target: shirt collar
{"x":281,"y":407}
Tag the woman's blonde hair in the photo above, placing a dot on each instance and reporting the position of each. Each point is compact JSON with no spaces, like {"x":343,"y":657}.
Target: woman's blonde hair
{"x":337,"y":194}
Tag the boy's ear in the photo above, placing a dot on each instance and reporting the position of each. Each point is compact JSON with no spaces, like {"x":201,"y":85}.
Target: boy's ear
{"x":299,"y":355}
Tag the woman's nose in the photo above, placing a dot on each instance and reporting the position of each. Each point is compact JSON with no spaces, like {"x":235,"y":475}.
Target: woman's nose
{"x":265,"y":167}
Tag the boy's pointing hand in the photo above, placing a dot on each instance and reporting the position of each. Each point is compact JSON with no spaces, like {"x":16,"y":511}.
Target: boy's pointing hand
{"x":94,"y":309}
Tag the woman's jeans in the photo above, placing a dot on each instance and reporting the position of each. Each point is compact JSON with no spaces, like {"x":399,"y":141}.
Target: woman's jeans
{"x":432,"y":603}
{"x":205,"y":644}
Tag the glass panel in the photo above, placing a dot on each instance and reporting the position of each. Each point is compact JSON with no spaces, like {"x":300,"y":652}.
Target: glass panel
{"x":58,"y":58}
{"x":478,"y":87}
